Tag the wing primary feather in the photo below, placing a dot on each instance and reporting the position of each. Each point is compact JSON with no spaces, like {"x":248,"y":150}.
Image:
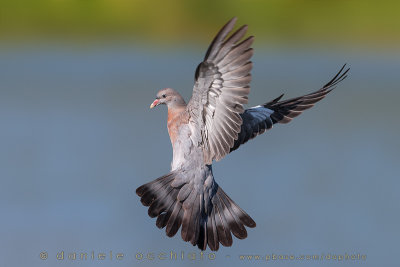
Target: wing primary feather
{"x":216,"y":43}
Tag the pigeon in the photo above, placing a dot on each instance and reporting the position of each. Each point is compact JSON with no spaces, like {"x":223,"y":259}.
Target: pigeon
{"x":207,"y":128}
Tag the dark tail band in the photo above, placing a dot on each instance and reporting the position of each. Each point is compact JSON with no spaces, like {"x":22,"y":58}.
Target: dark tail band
{"x":201,"y":226}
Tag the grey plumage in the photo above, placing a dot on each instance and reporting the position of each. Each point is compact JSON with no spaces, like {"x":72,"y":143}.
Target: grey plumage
{"x":257,"y":120}
{"x":217,"y":93}
{"x":211,"y":125}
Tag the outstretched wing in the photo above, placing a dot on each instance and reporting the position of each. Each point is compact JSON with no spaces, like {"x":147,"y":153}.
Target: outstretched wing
{"x":257,"y":120}
{"x":220,"y":90}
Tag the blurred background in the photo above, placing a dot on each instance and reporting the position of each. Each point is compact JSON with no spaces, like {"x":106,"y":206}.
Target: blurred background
{"x":77,"y":136}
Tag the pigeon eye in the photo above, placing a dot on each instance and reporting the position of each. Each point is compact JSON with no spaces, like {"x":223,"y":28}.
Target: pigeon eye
{"x":164,"y":96}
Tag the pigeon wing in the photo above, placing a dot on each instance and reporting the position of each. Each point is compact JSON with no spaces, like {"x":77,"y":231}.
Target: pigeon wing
{"x":257,"y":120}
{"x":220,"y":90}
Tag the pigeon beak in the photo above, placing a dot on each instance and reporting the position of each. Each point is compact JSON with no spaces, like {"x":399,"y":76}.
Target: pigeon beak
{"x":155,"y":103}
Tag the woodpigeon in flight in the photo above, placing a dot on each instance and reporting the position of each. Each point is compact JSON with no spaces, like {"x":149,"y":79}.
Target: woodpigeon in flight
{"x":211,"y":125}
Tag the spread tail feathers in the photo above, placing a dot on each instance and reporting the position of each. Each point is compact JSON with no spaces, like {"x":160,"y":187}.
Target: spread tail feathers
{"x":204,"y":221}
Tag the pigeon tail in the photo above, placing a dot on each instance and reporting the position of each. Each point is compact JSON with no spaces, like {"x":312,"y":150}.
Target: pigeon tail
{"x":225,"y":217}
{"x":161,"y":198}
{"x":203,"y":222}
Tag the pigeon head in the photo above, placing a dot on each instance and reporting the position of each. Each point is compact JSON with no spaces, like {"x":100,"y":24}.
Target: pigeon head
{"x":169,"y":97}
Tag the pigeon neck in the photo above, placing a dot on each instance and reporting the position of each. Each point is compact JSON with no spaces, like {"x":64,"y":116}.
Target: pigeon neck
{"x":174,"y":110}
{"x":177,"y":103}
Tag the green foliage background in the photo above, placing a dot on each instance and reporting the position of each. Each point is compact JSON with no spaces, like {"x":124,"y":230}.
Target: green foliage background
{"x":367,"y":22}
